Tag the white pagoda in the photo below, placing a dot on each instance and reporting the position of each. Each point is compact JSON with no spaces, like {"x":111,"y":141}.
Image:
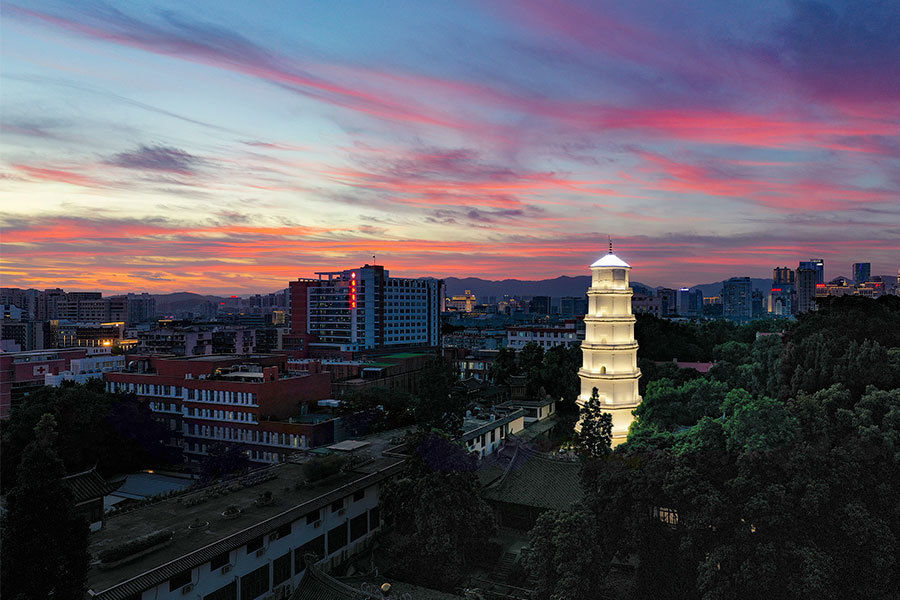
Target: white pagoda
{"x":609,"y":347}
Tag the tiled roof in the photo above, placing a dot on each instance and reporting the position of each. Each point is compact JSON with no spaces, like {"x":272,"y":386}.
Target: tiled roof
{"x":534,"y":479}
{"x":317,"y":585}
{"x":87,"y":485}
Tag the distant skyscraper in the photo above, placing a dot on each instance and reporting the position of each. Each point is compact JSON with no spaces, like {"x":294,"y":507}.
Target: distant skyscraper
{"x":816,"y":264}
{"x":572,"y":306}
{"x":782,"y":295}
{"x":861,"y":272}
{"x":690,"y":302}
{"x":539,"y":305}
{"x":668,"y":301}
{"x":807,"y":280}
{"x":737,"y":299}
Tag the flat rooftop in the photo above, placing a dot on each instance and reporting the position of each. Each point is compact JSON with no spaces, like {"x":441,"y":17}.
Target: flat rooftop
{"x":171,"y":514}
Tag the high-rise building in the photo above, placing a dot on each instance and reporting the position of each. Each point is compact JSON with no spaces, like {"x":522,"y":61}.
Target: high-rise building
{"x":609,"y":362}
{"x":668,"y":301}
{"x":365,"y":309}
{"x":817,"y":265}
{"x":572,"y":306}
{"x":807,"y":281}
{"x":689,"y":302}
{"x":539,"y":305}
{"x":782,"y":301}
{"x":861,"y":272}
{"x":737,"y":299}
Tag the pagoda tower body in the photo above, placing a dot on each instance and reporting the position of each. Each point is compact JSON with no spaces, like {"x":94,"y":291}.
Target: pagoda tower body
{"x":609,"y":347}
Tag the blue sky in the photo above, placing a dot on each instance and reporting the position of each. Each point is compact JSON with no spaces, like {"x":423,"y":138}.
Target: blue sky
{"x":231,"y":147}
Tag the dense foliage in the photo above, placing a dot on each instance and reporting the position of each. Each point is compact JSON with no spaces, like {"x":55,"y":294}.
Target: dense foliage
{"x":777,"y":474}
{"x":44,"y":539}
{"x":117,"y":433}
{"x":440,"y":525}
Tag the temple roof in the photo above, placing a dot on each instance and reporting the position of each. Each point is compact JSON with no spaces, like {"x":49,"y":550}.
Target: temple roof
{"x":610,"y":260}
{"x":87,"y":485}
{"x":537,"y":480}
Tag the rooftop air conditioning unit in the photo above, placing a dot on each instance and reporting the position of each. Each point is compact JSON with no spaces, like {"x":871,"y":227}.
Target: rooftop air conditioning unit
{"x":187,"y":589}
{"x":226,"y":568}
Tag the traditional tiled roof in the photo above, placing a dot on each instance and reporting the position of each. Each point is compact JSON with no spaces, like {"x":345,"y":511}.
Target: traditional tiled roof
{"x":537,"y":480}
{"x":318,"y":585}
{"x":87,"y":485}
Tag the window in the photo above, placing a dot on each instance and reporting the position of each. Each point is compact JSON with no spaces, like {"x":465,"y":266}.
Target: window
{"x":337,"y":505}
{"x":315,"y":547}
{"x":374,"y":518}
{"x":358,"y":526}
{"x":337,"y":538}
{"x":180,"y":580}
{"x":618,"y":274}
{"x":255,"y":583}
{"x":359,"y":495}
{"x":254,"y":545}
{"x":281,"y":568}
{"x":283,"y":531}
{"x":219,"y":561}
{"x":312,"y":517}
{"x":229,"y":592}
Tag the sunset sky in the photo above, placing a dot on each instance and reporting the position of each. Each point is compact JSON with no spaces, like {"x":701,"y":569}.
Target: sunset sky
{"x":230,"y":147}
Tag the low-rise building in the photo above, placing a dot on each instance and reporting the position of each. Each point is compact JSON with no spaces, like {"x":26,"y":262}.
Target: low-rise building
{"x":22,"y":373}
{"x":545,"y":336}
{"x":250,"y":401}
{"x":81,"y":370}
{"x":248,"y":539}
{"x":484,"y":435}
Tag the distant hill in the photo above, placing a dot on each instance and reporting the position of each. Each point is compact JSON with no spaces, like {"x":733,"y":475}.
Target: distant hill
{"x":179,"y":302}
{"x":561,"y":286}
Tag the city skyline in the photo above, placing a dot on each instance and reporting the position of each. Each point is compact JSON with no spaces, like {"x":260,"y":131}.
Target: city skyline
{"x":224,"y":149}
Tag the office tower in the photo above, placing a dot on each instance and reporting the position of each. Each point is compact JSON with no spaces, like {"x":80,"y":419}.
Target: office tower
{"x":609,"y":362}
{"x":807,"y":280}
{"x":816,"y":264}
{"x":572,"y":306}
{"x":539,"y":305}
{"x":365,"y":308}
{"x":782,"y":295}
{"x":689,"y":302}
{"x":861,"y":272}
{"x":668,"y":301}
{"x":737,"y":299}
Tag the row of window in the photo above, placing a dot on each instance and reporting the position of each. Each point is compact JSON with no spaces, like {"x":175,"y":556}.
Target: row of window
{"x":219,"y":415}
{"x":235,"y":434}
{"x":261,"y":580}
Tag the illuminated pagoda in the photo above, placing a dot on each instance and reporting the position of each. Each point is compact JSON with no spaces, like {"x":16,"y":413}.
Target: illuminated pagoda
{"x":609,"y":347}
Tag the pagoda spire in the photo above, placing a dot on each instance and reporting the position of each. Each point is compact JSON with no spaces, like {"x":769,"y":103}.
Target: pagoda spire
{"x":609,"y":364}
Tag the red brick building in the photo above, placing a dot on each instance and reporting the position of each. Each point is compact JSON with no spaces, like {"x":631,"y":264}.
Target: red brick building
{"x":248,"y":400}
{"x":23,"y":372}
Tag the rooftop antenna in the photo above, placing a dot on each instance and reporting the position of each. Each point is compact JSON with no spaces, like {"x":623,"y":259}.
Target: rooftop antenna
{"x":610,"y":244}
{"x":373,"y":259}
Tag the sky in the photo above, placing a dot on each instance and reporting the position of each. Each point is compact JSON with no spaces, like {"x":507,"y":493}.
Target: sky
{"x":230,"y":147}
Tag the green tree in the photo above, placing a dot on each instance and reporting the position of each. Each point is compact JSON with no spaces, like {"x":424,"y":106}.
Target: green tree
{"x":566,"y":556}
{"x":441,"y":527}
{"x":117,"y":433}
{"x":223,"y":459}
{"x":435,"y":405}
{"x":44,"y":539}
{"x":503,"y":366}
{"x":595,"y":437}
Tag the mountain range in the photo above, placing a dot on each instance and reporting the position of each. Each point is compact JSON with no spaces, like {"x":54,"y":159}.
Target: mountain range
{"x":562,"y":286}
